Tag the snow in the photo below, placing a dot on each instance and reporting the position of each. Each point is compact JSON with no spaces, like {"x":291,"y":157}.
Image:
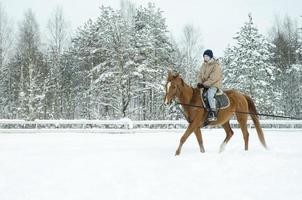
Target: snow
{"x":143,"y":166}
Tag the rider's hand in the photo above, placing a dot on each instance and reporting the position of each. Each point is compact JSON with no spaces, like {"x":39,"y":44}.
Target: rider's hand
{"x":200,"y":85}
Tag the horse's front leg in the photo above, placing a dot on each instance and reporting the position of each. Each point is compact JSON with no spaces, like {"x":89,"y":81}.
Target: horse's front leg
{"x":192,"y":126}
{"x":199,"y":139}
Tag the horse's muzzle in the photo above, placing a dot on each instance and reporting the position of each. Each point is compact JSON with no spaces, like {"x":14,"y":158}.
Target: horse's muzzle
{"x":168,"y":101}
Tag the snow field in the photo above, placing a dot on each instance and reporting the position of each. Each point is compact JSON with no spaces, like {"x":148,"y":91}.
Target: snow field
{"x":143,"y":166}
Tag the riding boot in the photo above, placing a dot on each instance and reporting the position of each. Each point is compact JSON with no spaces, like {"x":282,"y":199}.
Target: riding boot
{"x":212,"y":116}
{"x":212,"y":103}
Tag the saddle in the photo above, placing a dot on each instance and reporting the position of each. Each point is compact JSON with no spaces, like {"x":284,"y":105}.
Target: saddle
{"x":222,"y":100}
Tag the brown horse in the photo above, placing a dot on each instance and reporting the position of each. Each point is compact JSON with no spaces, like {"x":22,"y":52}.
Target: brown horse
{"x":177,"y":88}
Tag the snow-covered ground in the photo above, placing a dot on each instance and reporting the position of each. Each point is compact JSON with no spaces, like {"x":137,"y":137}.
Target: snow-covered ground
{"x":143,"y":167}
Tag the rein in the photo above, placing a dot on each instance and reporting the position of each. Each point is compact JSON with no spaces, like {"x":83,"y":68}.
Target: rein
{"x":248,"y":113}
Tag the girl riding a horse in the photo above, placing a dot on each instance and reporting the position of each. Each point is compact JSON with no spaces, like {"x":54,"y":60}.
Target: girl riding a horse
{"x":210,"y":78}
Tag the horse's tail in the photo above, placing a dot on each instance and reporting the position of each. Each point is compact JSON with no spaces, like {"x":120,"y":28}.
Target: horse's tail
{"x":254,"y":115}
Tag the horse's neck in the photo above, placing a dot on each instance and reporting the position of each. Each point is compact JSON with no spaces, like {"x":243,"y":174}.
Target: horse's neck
{"x":186,"y":94}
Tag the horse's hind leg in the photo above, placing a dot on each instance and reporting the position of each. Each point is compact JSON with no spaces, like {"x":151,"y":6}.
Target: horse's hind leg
{"x":229,"y":133}
{"x":242,"y":119}
{"x":199,"y":139}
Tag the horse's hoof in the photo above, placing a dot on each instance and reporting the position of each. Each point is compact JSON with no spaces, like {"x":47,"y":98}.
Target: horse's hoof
{"x":222,"y":147}
{"x":177,"y":153}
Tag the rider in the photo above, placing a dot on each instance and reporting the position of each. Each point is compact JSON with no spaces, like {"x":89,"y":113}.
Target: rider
{"x":210,"y":77}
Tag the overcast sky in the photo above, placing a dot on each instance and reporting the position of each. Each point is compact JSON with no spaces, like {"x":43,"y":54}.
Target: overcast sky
{"x":218,"y":20}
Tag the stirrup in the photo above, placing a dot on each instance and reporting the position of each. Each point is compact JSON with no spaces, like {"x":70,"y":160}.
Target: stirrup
{"x":212,"y":119}
{"x":212,"y":116}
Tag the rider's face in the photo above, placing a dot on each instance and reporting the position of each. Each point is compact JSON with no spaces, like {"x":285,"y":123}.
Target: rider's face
{"x":206,"y":58}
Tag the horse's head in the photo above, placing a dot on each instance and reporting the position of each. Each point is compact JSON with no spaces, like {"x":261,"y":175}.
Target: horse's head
{"x":173,"y":87}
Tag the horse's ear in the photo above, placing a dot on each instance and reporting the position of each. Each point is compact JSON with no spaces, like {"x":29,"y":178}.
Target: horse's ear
{"x":172,"y":75}
{"x":182,"y":82}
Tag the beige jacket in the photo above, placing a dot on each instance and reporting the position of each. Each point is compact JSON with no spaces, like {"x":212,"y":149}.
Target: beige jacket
{"x":210,"y":74}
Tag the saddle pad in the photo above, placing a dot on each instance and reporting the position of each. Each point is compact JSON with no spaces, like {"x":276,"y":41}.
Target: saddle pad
{"x":222,"y":101}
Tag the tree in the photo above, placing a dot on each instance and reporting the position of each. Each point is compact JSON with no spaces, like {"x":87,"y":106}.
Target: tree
{"x":154,"y":56}
{"x":287,"y":58}
{"x":120,"y":64}
{"x":191,"y":53}
{"x":114,"y":67}
{"x":57,"y":42}
{"x":5,"y":51}
{"x":247,"y":66}
{"x":30,"y":70}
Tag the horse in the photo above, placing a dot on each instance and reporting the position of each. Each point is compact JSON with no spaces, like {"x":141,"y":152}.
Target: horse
{"x":196,"y":114}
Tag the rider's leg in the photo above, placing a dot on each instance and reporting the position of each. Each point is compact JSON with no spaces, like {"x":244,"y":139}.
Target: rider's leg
{"x":212,"y":102}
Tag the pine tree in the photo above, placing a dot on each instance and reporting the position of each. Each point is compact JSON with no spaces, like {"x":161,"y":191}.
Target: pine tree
{"x":247,"y":67}
{"x":154,"y":52}
{"x":287,"y":58}
{"x":120,"y":63}
{"x":104,"y":65}
{"x":69,"y":84}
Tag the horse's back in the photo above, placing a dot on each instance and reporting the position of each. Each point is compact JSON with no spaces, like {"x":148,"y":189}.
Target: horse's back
{"x":232,"y":92}
{"x":238,"y":100}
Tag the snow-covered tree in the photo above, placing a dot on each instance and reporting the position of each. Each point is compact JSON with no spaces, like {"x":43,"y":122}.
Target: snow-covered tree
{"x":57,"y":42}
{"x":30,"y":70}
{"x":154,"y":56}
{"x":120,"y":63}
{"x":5,"y":53}
{"x":247,"y":66}
{"x":287,"y":57}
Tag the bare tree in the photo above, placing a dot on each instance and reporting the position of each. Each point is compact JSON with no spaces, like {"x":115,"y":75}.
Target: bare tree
{"x":5,"y":36}
{"x":58,"y":40}
{"x":58,"y":31}
{"x":191,"y":53}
